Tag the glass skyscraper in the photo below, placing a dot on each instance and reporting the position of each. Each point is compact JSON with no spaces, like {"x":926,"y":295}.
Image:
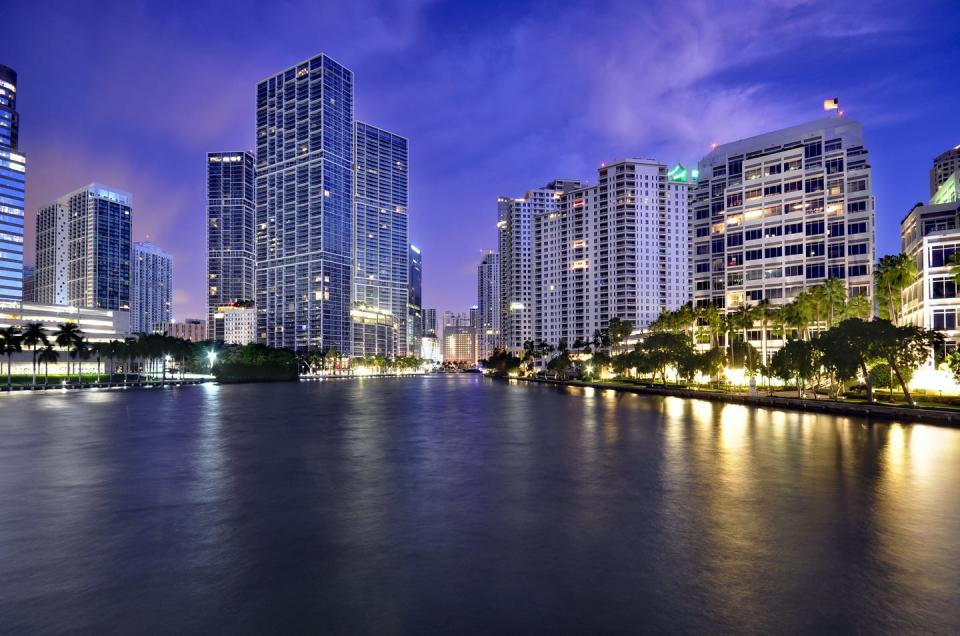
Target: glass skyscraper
{"x":231,"y":220}
{"x":13,"y":176}
{"x":152,"y":289}
{"x":380,"y":290}
{"x":415,"y":302}
{"x":304,"y":206}
{"x":83,"y":249}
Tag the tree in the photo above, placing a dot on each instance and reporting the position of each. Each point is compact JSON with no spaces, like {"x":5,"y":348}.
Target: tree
{"x":10,"y":343}
{"x":905,"y":349}
{"x":559,"y":364}
{"x":665,"y":348}
{"x":795,"y":360}
{"x":848,"y":348}
{"x":35,"y":336}
{"x":835,"y":298}
{"x":798,"y":314}
{"x":47,"y":355}
{"x":892,"y":275}
{"x":66,"y":336}
{"x":858,"y":307}
{"x":711,"y":363}
{"x":619,"y":331}
{"x":743,"y":319}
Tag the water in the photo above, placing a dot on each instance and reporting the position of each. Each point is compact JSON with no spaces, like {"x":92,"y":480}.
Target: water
{"x":463,"y":505}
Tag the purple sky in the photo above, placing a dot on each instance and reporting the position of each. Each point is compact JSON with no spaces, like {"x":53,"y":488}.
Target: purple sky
{"x":495,"y":97}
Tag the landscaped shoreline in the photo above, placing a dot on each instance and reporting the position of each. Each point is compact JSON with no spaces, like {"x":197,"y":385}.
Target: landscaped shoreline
{"x":941,"y":417}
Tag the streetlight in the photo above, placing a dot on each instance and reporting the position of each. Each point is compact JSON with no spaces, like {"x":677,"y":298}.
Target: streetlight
{"x":212,"y":357}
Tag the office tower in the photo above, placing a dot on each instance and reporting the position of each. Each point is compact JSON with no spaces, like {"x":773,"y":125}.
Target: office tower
{"x":515,"y":246}
{"x":83,"y":249}
{"x":13,"y":179}
{"x":415,"y":302}
{"x":380,"y":281}
{"x":944,"y":166}
{"x":192,"y":329}
{"x":29,"y":284}
{"x":231,"y":219}
{"x":304,"y":207}
{"x":930,"y":236}
{"x":430,"y":321}
{"x":614,"y":250}
{"x":783,"y":211}
{"x":488,"y":304}
{"x":460,"y":337}
{"x":152,"y":289}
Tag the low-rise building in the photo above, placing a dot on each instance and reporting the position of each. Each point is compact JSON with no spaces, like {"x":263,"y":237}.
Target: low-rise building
{"x":193,"y":329}
{"x":239,"y":325}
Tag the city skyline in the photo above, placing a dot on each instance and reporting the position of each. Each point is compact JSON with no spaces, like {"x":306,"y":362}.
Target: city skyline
{"x":651,"y":109}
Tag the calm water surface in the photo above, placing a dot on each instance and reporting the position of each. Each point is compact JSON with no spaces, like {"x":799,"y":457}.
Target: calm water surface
{"x":462,"y":505}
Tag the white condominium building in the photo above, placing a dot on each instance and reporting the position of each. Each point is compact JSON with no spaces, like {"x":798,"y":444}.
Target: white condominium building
{"x":240,"y":325}
{"x":780,"y":212}
{"x":515,"y":243}
{"x":616,"y":249}
{"x":152,"y":288}
{"x":488,"y":304}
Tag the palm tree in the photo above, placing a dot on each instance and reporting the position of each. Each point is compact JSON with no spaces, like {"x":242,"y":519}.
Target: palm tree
{"x":47,"y":355}
{"x":743,"y":319}
{"x":835,"y":296}
{"x":66,"y":335}
{"x":798,"y":314}
{"x":10,"y":343}
{"x":893,"y":274}
{"x":79,"y":351}
{"x":764,"y":311}
{"x":35,"y":335}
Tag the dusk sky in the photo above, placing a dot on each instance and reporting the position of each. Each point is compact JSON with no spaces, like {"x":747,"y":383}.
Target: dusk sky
{"x":496,"y":98}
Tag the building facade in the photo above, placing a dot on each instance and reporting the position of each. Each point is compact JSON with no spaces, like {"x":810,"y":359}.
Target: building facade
{"x":515,"y":246}
{"x":618,"y":249}
{"x":151,"y":303}
{"x":239,"y":325}
{"x":778,"y":213}
{"x":488,"y":304}
{"x":430,"y":321}
{"x":381,"y":252}
{"x":84,"y":249}
{"x":944,"y":165}
{"x":415,"y":302}
{"x":13,"y":180}
{"x":29,"y":284}
{"x":231,"y":220}
{"x":304,"y":207}
{"x":192,"y":329}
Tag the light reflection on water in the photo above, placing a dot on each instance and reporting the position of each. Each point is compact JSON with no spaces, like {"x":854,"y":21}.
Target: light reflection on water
{"x":465,"y":504}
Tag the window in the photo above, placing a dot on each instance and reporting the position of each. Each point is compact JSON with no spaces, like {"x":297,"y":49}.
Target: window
{"x":794,"y":249}
{"x":735,"y":167}
{"x":753,"y":194}
{"x":774,"y":293}
{"x":734,"y":240}
{"x":716,"y":246}
{"x":734,"y":278}
{"x":814,"y":228}
{"x":703,"y":213}
{"x":793,"y":270}
{"x":703,"y":285}
{"x":755,"y":274}
{"x":856,"y":249}
{"x":792,"y":186}
{"x":941,"y":255}
{"x":702,"y":268}
{"x":815,"y":249}
{"x":773,"y":252}
{"x":703,"y":248}
{"x":754,"y":294}
{"x":814,"y":185}
{"x":790,"y":166}
{"x":753,"y":235}
{"x":814,"y":206}
{"x":833,"y":144}
{"x":734,"y":259}
{"x":773,"y":230}
{"x":836,"y":271}
{"x":793,"y":208}
{"x":834,"y":166}
{"x":734,"y":200}
{"x":772,"y":169}
{"x":793,"y":228}
{"x":754,"y":255}
{"x":857,"y":270}
{"x":752,"y":173}
{"x":771,"y":190}
{"x":943,"y":287}
{"x":771,"y":210}
{"x":772,"y":272}
{"x":859,"y":227}
{"x":856,"y":206}
{"x":835,"y":250}
{"x":836,"y":229}
{"x":860,"y":185}
{"x":816,"y":270}
{"x":812,"y":150}
{"x":945,"y":319}
{"x":703,"y":231}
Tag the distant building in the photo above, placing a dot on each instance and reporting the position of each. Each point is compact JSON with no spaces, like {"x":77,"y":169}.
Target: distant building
{"x":930,"y":235}
{"x":944,"y":165}
{"x":459,"y":339}
{"x":380,"y":281}
{"x":13,"y":179}
{"x":84,"y":249}
{"x":488,"y":304}
{"x":29,"y":284}
{"x":193,"y":329}
{"x":430,"y":322}
{"x":515,"y":246}
{"x":231,"y":220}
{"x":415,"y":301}
{"x":240,"y":325}
{"x":430,"y":348}
{"x":152,"y":288}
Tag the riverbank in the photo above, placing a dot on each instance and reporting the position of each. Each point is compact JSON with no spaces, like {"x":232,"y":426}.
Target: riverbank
{"x":941,"y":417}
{"x":63,"y":385}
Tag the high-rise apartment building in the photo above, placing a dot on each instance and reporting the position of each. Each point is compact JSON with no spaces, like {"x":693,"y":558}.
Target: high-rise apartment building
{"x":152,"y":289}
{"x":488,"y":304}
{"x":943,"y":166}
{"x":231,"y":220}
{"x":780,"y":212}
{"x":618,"y":249}
{"x":430,"y":321}
{"x":515,"y":246}
{"x":381,"y":253}
{"x":13,"y":178}
{"x":414,"y":301}
{"x":83,"y":249}
{"x":304,"y":206}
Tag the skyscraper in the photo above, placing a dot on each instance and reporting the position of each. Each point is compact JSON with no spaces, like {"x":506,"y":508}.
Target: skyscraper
{"x":304,"y":206}
{"x":488,"y":304}
{"x":380,"y":284}
{"x":944,"y":165}
{"x":13,"y":178}
{"x":83,"y":249}
{"x":152,"y":289}
{"x":29,"y":284}
{"x":231,"y":219}
{"x":430,"y":321}
{"x":415,"y":302}
{"x":618,"y":249}
{"x":780,"y":212}
{"x":515,"y":243}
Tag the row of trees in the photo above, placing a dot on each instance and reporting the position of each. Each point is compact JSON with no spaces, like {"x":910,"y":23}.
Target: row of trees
{"x":150,"y":353}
